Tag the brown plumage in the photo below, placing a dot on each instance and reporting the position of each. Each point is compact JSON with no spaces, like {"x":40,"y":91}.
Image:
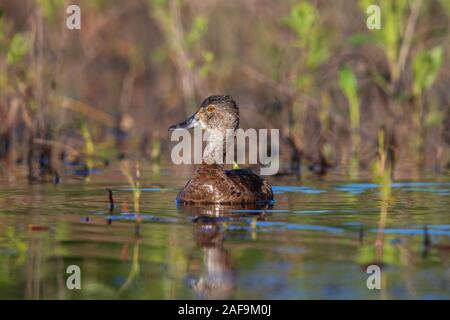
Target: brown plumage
{"x":210,"y":182}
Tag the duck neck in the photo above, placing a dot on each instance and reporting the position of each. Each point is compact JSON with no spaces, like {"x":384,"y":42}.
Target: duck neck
{"x":217,"y":143}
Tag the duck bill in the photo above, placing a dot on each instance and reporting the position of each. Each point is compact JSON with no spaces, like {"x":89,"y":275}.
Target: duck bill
{"x":189,"y":123}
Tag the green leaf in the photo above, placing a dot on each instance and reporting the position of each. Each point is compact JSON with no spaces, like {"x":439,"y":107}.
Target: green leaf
{"x":347,"y":81}
{"x":426,"y":66}
{"x":311,"y":36}
{"x":301,"y":19}
{"x":359,"y":39}
{"x":51,"y":8}
{"x":18,"y":48}
{"x":198,"y":30}
{"x":434,"y":119}
{"x":349,"y":85}
{"x":208,"y":58}
{"x":159,"y":55}
{"x":304,"y":80}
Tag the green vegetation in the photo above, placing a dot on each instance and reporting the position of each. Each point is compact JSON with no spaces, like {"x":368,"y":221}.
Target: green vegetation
{"x":349,"y":85}
{"x":324,"y":79}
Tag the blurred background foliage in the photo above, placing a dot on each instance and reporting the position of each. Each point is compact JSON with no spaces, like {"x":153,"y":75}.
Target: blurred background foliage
{"x":83,"y":98}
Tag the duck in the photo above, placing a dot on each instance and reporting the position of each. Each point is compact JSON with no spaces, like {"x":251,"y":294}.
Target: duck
{"x":211,"y":183}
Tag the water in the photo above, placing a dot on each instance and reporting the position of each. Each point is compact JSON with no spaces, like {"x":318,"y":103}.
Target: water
{"x":315,"y":242}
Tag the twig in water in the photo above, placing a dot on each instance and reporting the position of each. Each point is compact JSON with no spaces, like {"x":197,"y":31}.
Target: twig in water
{"x":426,"y":242}
{"x":426,"y":239}
{"x":361,"y":235}
{"x":111,"y":200}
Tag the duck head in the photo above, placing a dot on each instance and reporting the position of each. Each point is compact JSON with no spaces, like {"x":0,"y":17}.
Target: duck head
{"x":218,"y":116}
{"x":215,"y":113}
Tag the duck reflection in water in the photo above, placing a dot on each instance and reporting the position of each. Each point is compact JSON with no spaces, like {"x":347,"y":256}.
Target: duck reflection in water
{"x":216,"y":280}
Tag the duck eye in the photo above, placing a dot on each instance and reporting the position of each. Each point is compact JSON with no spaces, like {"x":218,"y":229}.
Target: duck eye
{"x":210,"y":108}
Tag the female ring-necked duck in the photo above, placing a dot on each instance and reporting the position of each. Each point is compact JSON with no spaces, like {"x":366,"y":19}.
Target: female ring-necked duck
{"x":210,"y":182}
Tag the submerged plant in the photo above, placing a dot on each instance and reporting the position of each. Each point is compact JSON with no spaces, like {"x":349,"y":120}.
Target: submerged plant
{"x":135,"y":266}
{"x":381,"y":168}
{"x":134,"y":182}
{"x":382,"y":176}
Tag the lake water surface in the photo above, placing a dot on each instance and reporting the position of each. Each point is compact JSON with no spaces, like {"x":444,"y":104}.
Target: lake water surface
{"x":315,"y":242}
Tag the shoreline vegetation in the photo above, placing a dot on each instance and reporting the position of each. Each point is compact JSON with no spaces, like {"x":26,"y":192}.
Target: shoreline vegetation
{"x":346,"y":99}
